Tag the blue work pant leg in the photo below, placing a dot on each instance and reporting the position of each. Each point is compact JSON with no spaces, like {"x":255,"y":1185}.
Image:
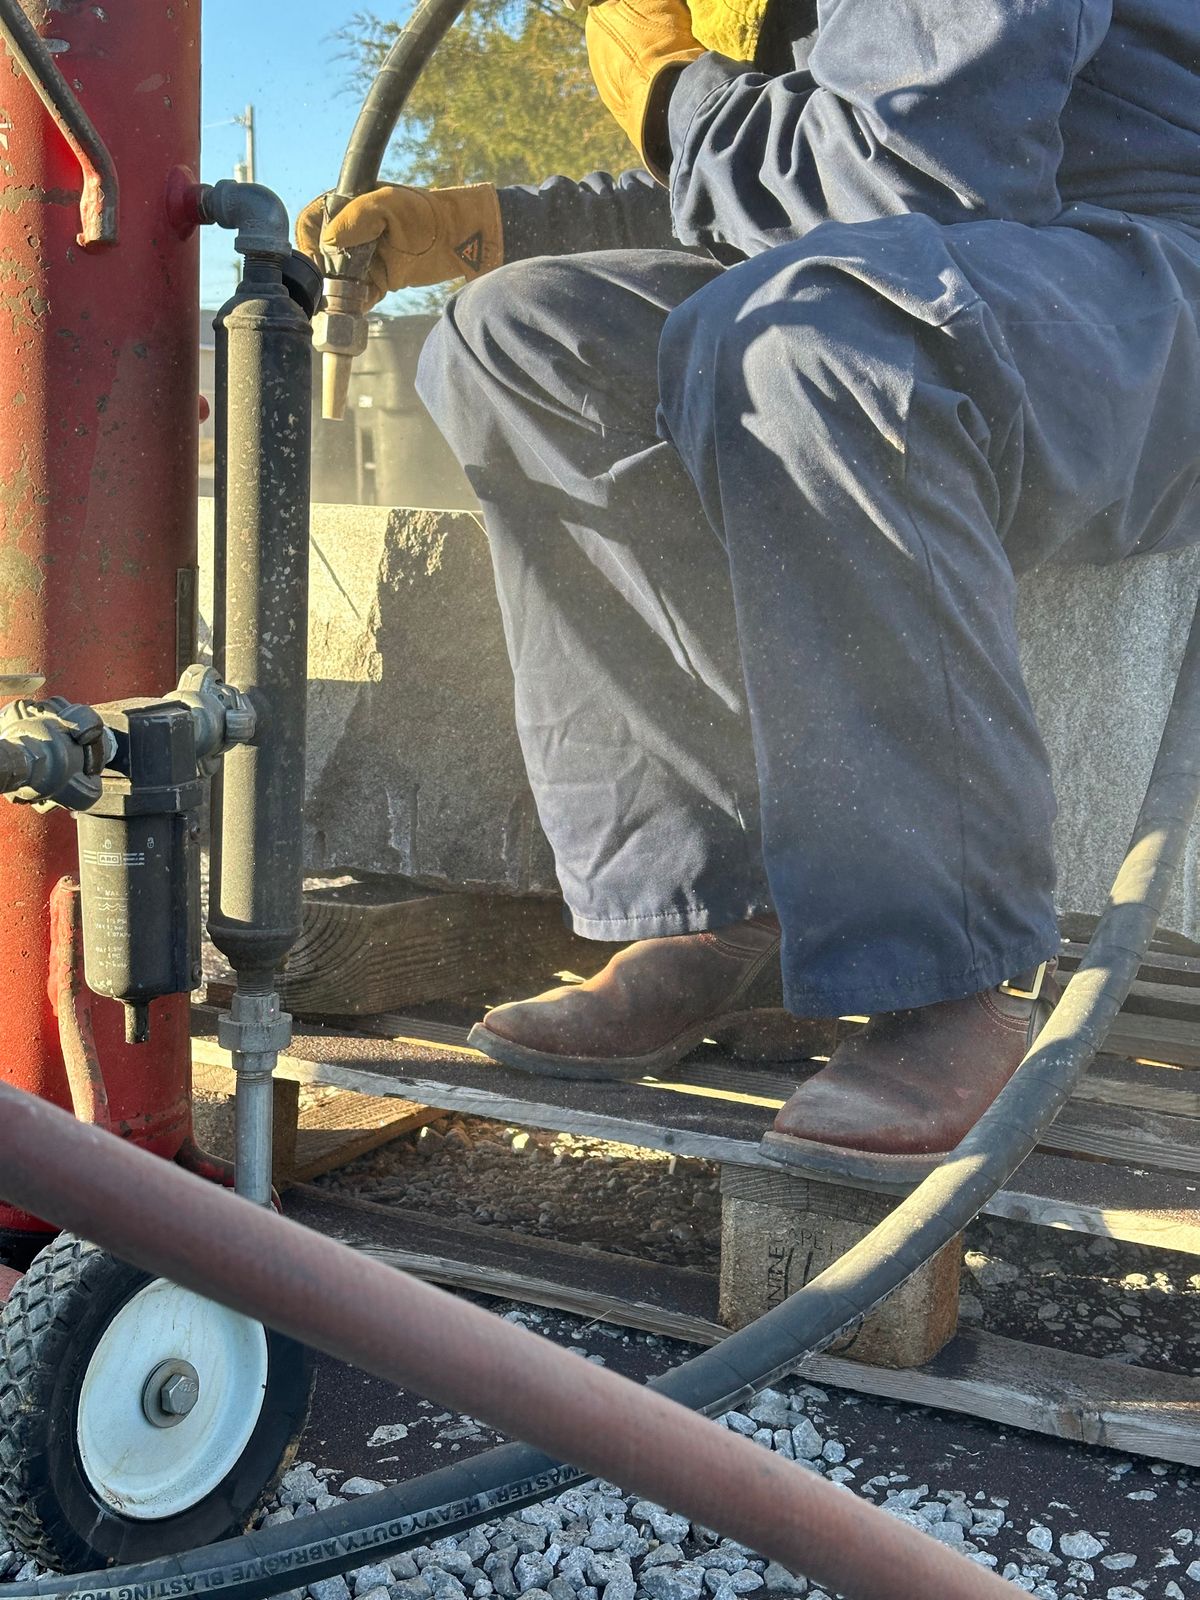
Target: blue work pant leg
{"x":854,"y":449}
{"x":614,"y":591}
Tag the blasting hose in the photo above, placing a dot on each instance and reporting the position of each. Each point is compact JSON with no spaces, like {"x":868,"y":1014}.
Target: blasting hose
{"x":324,"y":1294}
{"x":391,"y":87}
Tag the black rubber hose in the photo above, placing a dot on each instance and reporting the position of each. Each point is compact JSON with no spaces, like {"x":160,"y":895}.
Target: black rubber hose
{"x":504,"y":1479}
{"x":386,"y":98}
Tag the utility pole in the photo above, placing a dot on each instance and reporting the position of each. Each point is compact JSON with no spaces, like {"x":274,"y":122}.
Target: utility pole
{"x":244,"y":170}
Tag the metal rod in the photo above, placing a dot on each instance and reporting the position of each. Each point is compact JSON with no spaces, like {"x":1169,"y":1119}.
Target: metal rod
{"x":98,"y":204}
{"x":326,"y":1295}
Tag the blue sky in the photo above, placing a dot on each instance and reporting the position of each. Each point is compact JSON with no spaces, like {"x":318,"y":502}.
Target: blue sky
{"x":283,"y":60}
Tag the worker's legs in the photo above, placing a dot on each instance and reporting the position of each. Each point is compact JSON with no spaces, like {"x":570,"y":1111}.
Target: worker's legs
{"x":875,"y":445}
{"x":905,"y":792}
{"x":614,"y":591}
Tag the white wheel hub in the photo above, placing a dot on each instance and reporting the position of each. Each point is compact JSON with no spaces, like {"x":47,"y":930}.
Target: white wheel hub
{"x":147,"y":1472}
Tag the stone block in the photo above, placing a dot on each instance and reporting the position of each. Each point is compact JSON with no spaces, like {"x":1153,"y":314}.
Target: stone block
{"x":1101,"y":647}
{"x":414,"y":768}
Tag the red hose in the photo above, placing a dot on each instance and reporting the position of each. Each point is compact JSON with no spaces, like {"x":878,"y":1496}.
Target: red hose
{"x":325,"y":1295}
{"x":72,"y":1003}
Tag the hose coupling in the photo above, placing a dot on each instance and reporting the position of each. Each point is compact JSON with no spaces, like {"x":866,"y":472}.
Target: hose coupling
{"x":223,"y":716}
{"x":54,"y":754}
{"x":340,"y":334}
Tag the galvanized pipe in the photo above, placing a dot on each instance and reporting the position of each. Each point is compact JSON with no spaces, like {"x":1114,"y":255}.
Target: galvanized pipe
{"x":325,"y":1295}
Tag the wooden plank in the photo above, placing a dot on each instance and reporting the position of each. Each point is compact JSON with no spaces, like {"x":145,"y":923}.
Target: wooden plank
{"x":1156,"y":1039}
{"x":1160,"y":966}
{"x":1082,"y":1398}
{"x":1115,"y":1081}
{"x":1055,"y":1191}
{"x":1131,"y":1409}
{"x":366,"y":949}
{"x":643,"y":1112}
{"x":327,"y":1133}
{"x":1120,"y":1133}
{"x":590,"y":1283}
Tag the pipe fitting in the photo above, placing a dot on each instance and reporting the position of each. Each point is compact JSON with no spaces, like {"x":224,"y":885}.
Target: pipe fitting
{"x":56,"y":751}
{"x":256,"y":212}
{"x":221,"y":714}
{"x":254,"y":1031}
{"x":253,"y":1027}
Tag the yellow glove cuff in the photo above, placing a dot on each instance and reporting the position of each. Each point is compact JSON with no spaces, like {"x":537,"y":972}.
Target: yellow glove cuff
{"x":631,"y":45}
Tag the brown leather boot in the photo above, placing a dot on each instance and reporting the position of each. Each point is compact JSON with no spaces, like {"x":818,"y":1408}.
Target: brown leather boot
{"x":898,"y":1096}
{"x":654,"y":1002}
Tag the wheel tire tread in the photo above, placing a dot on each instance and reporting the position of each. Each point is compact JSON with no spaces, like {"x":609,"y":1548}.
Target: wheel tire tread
{"x":34,"y":1326}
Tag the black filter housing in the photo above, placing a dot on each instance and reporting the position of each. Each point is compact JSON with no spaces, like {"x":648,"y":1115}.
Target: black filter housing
{"x":139,"y":863}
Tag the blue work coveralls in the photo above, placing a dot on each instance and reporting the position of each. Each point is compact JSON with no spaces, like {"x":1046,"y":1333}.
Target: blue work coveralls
{"x":756,"y":504}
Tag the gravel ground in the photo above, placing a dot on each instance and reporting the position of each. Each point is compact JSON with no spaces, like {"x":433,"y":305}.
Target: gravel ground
{"x":612,"y":1197}
{"x":1057,"y":1519}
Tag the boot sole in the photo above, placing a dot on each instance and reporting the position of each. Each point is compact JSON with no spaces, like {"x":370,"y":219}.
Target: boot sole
{"x":725,"y":1030}
{"x":861,"y":1169}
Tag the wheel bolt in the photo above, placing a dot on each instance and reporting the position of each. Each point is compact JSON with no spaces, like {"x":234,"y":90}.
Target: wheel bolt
{"x":178,"y":1395}
{"x":170,"y":1393}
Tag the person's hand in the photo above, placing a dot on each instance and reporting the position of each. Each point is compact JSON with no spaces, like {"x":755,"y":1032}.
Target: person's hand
{"x":635,"y":48}
{"x":422,"y":236}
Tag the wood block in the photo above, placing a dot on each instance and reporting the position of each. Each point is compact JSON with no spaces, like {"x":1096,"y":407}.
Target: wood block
{"x":325,"y":1132}
{"x":779,"y":1232}
{"x":285,"y":1117}
{"x":367,"y":948}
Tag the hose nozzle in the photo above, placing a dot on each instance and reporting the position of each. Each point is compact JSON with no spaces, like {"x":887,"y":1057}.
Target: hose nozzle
{"x":340,"y":334}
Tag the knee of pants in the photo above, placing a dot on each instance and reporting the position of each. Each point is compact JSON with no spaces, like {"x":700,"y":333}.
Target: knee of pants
{"x":779,"y":351}
{"x":496,"y":331}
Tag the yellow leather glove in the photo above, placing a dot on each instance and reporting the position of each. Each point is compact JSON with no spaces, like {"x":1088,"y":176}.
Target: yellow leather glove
{"x":730,"y":27}
{"x":634,"y":49}
{"x":424,"y":235}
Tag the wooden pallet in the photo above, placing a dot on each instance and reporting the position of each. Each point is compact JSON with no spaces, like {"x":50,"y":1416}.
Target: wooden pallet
{"x":978,"y":1375}
{"x":1121,"y":1161}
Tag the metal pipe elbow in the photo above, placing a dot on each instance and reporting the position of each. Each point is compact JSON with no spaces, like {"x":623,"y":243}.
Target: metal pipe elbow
{"x":256,"y":212}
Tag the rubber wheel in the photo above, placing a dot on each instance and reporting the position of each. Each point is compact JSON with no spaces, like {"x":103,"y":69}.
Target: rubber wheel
{"x":64,"y":1386}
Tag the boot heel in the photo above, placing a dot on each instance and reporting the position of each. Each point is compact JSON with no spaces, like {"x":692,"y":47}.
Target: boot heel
{"x":772,"y":1034}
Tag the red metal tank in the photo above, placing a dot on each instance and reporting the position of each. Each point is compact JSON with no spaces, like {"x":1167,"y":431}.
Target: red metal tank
{"x":98,"y":479}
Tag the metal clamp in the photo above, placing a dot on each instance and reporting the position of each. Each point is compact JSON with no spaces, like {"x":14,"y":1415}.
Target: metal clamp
{"x":65,"y":748}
